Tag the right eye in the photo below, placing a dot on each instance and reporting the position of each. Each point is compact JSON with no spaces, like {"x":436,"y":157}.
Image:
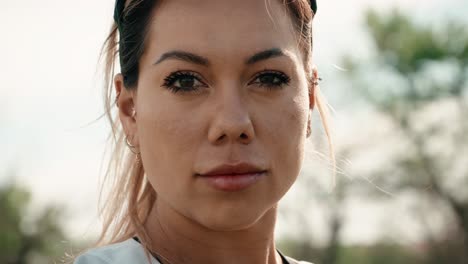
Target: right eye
{"x":184,"y":81}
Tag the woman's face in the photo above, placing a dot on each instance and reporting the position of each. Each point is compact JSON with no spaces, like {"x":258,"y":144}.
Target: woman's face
{"x":221,"y":82}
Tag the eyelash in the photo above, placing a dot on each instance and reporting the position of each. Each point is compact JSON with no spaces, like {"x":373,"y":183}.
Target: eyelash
{"x":178,"y":75}
{"x":283,"y":78}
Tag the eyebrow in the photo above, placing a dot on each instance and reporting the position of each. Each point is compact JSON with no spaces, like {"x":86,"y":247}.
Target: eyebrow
{"x":200,"y":60}
{"x":265,"y":55}
{"x":184,"y":56}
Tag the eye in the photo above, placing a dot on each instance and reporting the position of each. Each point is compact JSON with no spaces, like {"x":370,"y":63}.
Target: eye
{"x":184,"y":81}
{"x":271,"y":79}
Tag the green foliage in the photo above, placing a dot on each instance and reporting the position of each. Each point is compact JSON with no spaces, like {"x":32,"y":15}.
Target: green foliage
{"x":404,"y":51}
{"x":377,"y":254}
{"x":26,"y":240}
{"x":12,"y":204}
{"x":300,"y":249}
{"x":380,"y":253}
{"x":408,"y":47}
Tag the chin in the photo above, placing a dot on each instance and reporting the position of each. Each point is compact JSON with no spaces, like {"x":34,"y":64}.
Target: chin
{"x":220,"y":226}
{"x":231,"y":220}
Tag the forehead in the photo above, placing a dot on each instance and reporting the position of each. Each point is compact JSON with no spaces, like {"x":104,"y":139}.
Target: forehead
{"x":222,"y":28}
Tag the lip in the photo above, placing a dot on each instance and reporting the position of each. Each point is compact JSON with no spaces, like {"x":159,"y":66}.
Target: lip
{"x":233,"y":177}
{"x":232,"y":169}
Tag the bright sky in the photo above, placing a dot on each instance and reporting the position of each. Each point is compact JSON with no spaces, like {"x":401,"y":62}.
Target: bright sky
{"x":50,"y":91}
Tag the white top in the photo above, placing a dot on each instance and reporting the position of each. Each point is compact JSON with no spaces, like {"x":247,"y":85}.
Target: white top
{"x":129,"y":251}
{"x":126,"y":252}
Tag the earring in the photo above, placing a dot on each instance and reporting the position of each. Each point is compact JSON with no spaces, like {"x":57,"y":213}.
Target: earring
{"x":137,"y":159}
{"x":131,"y":147}
{"x":316,"y":81}
{"x":309,"y":129}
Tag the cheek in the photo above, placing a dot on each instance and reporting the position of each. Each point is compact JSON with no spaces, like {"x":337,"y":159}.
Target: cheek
{"x":168,"y":138}
{"x":288,"y":137}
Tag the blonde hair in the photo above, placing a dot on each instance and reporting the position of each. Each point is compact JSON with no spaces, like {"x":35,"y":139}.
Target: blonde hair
{"x":127,"y":204}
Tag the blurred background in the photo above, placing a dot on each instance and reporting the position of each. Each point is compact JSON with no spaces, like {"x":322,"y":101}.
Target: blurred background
{"x":394,"y":72}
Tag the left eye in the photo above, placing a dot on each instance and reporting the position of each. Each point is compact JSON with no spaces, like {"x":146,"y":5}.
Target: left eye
{"x":271,"y":79}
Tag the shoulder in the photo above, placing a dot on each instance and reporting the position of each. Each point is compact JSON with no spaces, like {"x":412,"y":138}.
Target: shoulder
{"x":128,"y":251}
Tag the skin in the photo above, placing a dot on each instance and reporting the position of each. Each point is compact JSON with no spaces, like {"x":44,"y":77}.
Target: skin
{"x":229,"y":119}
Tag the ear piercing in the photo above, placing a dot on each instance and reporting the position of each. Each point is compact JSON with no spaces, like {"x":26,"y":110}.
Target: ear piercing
{"x":316,"y":81}
{"x":132,"y":148}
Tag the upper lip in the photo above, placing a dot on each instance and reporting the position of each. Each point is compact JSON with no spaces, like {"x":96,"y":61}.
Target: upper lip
{"x":229,"y":169}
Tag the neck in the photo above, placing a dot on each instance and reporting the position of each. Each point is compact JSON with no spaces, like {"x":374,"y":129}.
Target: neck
{"x":178,"y":239}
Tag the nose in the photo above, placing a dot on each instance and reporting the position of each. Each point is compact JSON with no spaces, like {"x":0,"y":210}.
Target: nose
{"x":231,"y":121}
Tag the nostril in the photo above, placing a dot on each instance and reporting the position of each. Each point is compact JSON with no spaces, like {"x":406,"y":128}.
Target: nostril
{"x":244,"y":136}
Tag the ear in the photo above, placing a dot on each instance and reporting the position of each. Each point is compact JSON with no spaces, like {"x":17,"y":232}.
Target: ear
{"x":126,"y":102}
{"x":313,"y":87}
{"x":312,"y":96}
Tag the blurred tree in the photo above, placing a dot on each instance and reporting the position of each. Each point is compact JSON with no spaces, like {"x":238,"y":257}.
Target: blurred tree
{"x":25,"y":240}
{"x":416,"y":79}
{"x":418,"y":82}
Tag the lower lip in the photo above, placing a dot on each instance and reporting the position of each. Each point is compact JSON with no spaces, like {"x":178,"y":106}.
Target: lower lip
{"x":234,"y":182}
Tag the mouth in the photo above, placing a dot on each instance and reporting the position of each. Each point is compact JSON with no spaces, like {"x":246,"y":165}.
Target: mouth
{"x":233,"y":177}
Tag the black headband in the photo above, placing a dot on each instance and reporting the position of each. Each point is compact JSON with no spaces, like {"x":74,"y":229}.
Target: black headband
{"x":120,"y":6}
{"x":313,"y":5}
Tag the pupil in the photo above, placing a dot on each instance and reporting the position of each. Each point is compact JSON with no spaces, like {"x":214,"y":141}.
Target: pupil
{"x":267,"y":79}
{"x":186,"y":82}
